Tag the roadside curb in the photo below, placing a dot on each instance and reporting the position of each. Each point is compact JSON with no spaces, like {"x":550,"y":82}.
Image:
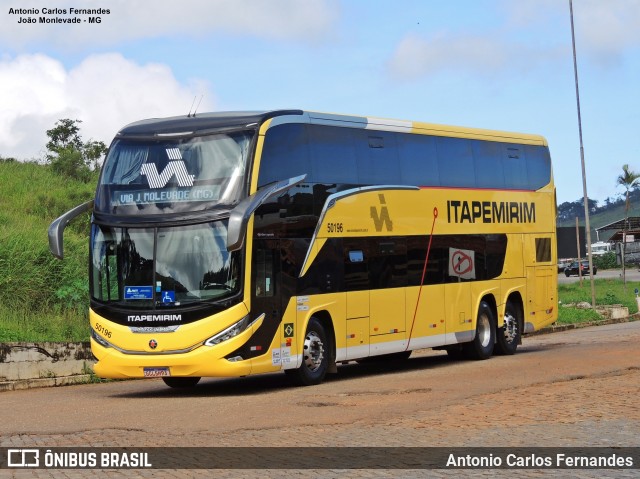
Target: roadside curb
{"x":20,"y":384}
{"x":44,"y":382}
{"x":566,"y":327}
{"x":26,"y":365}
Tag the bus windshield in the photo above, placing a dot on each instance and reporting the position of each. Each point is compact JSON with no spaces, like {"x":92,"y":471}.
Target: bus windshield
{"x":171,"y":175}
{"x":162,"y":267}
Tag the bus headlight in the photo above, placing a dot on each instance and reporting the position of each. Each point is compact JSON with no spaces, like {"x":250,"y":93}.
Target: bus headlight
{"x":99,"y":339}
{"x":228,"y":333}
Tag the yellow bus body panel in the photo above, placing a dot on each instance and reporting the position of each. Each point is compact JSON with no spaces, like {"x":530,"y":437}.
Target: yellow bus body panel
{"x":200,"y":361}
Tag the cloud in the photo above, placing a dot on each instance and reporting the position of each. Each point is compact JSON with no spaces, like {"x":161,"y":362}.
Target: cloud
{"x":139,"y":19}
{"x":416,"y":56}
{"x":605,"y":30}
{"x":608,"y":29}
{"x":530,"y":34}
{"x":471,"y":55}
{"x":105,"y":91}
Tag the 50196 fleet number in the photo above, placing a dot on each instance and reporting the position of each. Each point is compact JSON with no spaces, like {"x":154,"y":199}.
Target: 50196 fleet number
{"x":102,"y":330}
{"x":334,"y":228}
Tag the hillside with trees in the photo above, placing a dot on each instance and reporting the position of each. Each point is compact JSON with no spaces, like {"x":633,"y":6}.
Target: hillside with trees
{"x":42,"y":296}
{"x":612,"y":210}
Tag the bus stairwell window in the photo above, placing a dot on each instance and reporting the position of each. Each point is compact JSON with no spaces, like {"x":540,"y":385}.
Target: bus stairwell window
{"x":264,"y":273}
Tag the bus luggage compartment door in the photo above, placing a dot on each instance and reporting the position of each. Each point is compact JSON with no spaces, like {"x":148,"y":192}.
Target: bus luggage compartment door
{"x":357,"y":327}
{"x":541,"y":297}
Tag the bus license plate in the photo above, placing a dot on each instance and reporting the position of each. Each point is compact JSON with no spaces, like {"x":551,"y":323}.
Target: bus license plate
{"x":156,"y":372}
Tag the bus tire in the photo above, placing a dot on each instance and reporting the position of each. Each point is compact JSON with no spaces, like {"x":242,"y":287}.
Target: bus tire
{"x":482,"y":345}
{"x":315,"y":356}
{"x":509,"y":335}
{"x":181,"y":382}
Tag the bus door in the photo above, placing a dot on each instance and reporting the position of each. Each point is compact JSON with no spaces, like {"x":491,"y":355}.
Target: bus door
{"x":542,"y":278}
{"x":388,"y":281}
{"x":460,"y":319}
{"x":425,"y":298}
{"x":267,"y":292}
{"x":356,"y":274}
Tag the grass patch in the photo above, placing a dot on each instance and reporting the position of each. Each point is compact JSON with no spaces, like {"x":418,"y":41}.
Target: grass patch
{"x":68,"y":325}
{"x":608,"y":292}
{"x":43,"y":299}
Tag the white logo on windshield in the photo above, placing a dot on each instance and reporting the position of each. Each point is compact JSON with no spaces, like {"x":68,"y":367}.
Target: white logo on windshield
{"x":177,"y":168}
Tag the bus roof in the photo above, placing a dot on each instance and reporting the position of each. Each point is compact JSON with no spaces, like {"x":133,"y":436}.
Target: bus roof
{"x":200,"y":122}
{"x":203,"y":122}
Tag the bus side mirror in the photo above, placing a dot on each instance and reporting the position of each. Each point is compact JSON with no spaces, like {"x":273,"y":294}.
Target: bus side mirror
{"x":56,"y":229}
{"x":242,"y":212}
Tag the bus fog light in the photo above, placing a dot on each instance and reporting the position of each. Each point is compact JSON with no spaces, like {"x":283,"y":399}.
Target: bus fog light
{"x":228,"y":333}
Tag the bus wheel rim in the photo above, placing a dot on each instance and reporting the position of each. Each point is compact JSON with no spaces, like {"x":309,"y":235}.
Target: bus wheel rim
{"x":313,"y":351}
{"x":510,"y":328}
{"x":484,"y":330}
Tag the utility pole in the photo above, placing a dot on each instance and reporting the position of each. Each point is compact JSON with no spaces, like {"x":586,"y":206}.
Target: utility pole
{"x":584,"y":173}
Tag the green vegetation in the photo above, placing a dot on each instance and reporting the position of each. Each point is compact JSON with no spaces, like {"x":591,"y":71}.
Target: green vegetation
{"x":606,"y":261}
{"x":43,"y":299}
{"x":71,"y":157}
{"x":608,"y":292}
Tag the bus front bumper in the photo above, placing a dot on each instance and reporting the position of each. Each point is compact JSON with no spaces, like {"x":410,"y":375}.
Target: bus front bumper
{"x":202,"y":360}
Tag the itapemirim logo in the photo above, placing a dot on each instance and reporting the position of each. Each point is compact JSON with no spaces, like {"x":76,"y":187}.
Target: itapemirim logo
{"x":381,"y":219}
{"x":176,"y":167}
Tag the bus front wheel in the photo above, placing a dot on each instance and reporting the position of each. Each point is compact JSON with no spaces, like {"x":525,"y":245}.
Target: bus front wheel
{"x":482,"y":345}
{"x":315,"y":356}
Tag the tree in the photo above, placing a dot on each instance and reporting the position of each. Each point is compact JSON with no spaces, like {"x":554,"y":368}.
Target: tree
{"x":65,"y":134}
{"x":570,"y":210}
{"x":93,"y":152}
{"x":628,"y":179}
{"x":69,"y":155}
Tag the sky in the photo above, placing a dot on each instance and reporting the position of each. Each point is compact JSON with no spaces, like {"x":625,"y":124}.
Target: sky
{"x":496,"y":64}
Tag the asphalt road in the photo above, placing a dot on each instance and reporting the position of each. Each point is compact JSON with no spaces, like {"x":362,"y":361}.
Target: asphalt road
{"x":632,"y":275}
{"x":574,"y":388}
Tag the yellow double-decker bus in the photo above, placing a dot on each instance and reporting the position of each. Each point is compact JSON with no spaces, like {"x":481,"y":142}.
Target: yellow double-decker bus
{"x":230,"y":244}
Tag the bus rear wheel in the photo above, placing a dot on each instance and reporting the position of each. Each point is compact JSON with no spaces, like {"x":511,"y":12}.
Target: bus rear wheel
{"x":181,"y":382}
{"x":315,"y":356}
{"x":482,"y":345}
{"x":509,"y":335}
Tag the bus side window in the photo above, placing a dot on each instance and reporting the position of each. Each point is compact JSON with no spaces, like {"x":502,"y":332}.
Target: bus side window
{"x":356,"y":268}
{"x":264,"y":281}
{"x":543,"y":250}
